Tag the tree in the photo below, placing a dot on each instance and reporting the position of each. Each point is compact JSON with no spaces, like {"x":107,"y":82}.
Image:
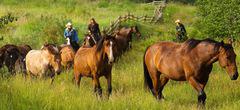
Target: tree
{"x":219,"y":18}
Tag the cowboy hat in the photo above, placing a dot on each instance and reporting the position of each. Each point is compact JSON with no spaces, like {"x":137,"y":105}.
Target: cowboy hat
{"x":177,"y":21}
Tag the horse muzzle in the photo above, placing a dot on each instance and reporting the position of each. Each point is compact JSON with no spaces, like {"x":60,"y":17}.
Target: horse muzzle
{"x":111,"y":61}
{"x":235,"y":76}
{"x":58,"y":72}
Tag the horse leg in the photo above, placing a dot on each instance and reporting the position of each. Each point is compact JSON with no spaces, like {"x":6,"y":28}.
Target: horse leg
{"x":69,"y":65}
{"x":97,"y":87}
{"x":109,"y":82}
{"x":78,"y":78}
{"x":163,"y":82}
{"x":200,"y":89}
{"x":156,"y":85}
{"x":52,"y":77}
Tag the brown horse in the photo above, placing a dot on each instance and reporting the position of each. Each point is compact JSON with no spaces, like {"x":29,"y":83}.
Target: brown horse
{"x":95,"y":62}
{"x":38,"y":62}
{"x":190,"y":61}
{"x":124,"y":38}
{"x":20,"y":64}
{"x":89,"y":41}
{"x":67,"y":56}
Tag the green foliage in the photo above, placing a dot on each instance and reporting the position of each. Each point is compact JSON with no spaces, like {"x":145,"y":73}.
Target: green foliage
{"x":219,"y":18}
{"x":4,"y":20}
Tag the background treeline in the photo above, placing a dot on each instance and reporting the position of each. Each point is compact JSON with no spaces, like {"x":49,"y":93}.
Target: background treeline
{"x":219,"y":18}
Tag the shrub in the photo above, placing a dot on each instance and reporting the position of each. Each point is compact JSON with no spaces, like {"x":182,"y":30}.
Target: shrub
{"x":219,"y":18}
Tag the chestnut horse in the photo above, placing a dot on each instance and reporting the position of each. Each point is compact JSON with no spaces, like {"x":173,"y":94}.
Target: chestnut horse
{"x":67,"y":56}
{"x":124,"y":38}
{"x":38,"y":62}
{"x":190,"y":61}
{"x":95,"y":62}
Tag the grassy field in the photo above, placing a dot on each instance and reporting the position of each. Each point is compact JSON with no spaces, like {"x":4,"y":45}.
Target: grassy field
{"x":43,"y":21}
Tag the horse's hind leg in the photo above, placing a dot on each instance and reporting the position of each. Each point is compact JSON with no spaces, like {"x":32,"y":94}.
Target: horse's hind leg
{"x":163,"y":82}
{"x":156,"y":85}
{"x":78,"y":78}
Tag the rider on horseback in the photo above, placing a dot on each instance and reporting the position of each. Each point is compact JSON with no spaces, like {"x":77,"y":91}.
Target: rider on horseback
{"x":71,"y":35}
{"x":94,"y":30}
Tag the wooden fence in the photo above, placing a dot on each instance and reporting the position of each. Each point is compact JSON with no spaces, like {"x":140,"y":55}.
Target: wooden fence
{"x":156,"y":18}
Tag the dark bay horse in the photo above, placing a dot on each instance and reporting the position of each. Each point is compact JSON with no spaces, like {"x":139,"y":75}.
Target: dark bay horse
{"x":190,"y":61}
{"x":2,"y":53}
{"x":12,"y":55}
{"x":20,"y":64}
{"x":123,"y":38}
{"x":95,"y":62}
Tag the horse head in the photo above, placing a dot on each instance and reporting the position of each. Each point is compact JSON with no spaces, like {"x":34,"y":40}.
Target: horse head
{"x":108,"y":45}
{"x":227,"y":60}
{"x":134,"y":29}
{"x":54,"y":56}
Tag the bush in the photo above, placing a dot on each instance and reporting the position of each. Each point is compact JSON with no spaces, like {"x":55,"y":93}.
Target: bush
{"x":219,"y":18}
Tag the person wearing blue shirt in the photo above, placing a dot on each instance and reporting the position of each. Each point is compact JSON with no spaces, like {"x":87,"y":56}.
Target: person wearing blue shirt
{"x":71,"y":35}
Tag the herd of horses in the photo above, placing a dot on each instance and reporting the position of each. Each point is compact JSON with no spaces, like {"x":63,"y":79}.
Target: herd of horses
{"x":190,"y":61}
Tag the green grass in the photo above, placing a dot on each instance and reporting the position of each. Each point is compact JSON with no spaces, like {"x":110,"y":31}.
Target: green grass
{"x":39,"y":22}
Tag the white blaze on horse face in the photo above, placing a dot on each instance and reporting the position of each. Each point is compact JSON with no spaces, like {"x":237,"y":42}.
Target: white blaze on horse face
{"x":111,"y":57}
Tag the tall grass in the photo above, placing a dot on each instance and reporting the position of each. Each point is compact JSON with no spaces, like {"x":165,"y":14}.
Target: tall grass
{"x":42,"y":23}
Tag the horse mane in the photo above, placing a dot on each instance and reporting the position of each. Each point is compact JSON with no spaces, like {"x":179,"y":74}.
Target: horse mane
{"x":192,"y":43}
{"x":100,"y":44}
{"x":52,"y":48}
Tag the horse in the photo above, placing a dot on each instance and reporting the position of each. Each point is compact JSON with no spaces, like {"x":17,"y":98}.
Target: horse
{"x":95,"y":62}
{"x":190,"y":61}
{"x":89,"y":41}
{"x":38,"y":62}
{"x":10,"y":57}
{"x":20,"y":64}
{"x":2,"y":53}
{"x":10,"y":54}
{"x":67,"y":56}
{"x":124,"y":38}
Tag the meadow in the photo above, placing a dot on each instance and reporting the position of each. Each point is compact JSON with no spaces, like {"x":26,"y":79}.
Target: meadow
{"x":43,"y":21}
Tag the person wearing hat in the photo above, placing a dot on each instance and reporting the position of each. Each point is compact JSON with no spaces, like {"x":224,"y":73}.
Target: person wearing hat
{"x":94,"y":30}
{"x":181,"y":31}
{"x":71,"y":35}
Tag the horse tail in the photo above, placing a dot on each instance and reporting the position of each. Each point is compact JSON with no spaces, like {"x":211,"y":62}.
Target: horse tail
{"x":147,"y":79}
